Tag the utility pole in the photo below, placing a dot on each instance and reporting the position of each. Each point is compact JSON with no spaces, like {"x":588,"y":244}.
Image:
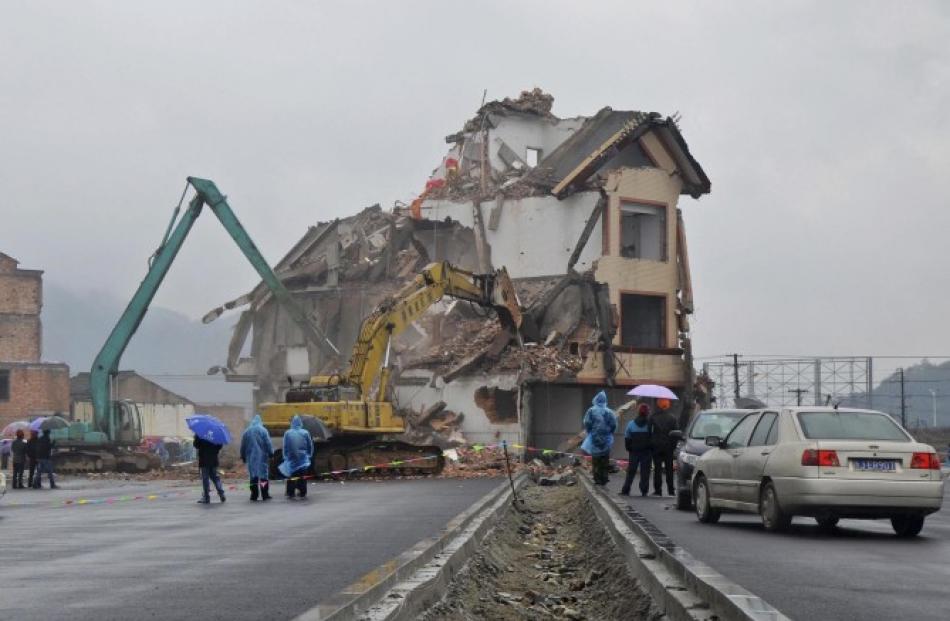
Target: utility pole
{"x":903,"y":404}
{"x":735,"y":373}
{"x":798,"y":393}
{"x":933,"y":398}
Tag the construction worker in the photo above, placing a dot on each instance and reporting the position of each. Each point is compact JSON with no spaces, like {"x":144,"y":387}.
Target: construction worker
{"x":600,"y":423}
{"x":663,"y":422}
{"x":256,"y":450}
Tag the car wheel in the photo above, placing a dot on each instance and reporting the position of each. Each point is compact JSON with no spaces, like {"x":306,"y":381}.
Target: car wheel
{"x":773,"y":517}
{"x":907,"y":525}
{"x":827,"y":523}
{"x":704,"y":509}
{"x":684,"y":502}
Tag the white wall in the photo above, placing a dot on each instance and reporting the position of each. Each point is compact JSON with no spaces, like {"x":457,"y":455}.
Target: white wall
{"x":535,"y":235}
{"x":157,"y":419}
{"x":519,"y":133}
{"x":459,"y":397}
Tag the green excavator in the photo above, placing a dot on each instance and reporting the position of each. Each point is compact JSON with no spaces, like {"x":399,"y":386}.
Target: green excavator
{"x":110,"y":441}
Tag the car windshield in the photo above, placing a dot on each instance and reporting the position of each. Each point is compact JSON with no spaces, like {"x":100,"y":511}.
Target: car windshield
{"x":834,"y":425}
{"x":714,"y":424}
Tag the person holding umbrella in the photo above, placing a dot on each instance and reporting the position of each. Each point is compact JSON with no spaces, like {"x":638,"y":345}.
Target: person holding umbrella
{"x":210,"y":435}
{"x":664,"y":446}
{"x":256,"y":450}
{"x":44,"y":460}
{"x":298,"y":451}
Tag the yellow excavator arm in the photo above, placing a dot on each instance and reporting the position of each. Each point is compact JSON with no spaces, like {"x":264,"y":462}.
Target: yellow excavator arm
{"x":370,"y":358}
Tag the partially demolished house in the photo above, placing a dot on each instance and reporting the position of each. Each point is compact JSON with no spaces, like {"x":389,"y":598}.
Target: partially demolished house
{"x":583,"y":212}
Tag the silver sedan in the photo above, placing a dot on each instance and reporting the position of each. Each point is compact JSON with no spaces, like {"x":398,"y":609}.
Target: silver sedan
{"x":819,"y":462}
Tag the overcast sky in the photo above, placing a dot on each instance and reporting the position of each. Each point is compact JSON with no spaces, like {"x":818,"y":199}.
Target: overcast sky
{"x":823,"y":127}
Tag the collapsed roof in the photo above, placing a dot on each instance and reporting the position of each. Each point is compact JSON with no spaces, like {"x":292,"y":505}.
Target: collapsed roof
{"x":576,"y":157}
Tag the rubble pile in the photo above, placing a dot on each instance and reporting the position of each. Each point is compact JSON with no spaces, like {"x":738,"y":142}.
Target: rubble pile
{"x":435,"y":426}
{"x":544,"y":362}
{"x":551,"y":560}
{"x":468,"y":463}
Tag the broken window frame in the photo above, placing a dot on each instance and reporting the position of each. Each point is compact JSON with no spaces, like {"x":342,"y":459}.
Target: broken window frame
{"x":663,"y":344}
{"x":647,"y":206}
{"x":5,"y":385}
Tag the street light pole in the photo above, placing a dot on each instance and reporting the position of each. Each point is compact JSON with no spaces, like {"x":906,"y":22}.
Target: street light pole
{"x":933,"y":397}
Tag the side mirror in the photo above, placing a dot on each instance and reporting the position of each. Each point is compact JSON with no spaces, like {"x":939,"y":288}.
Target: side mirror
{"x":713,"y":441}
{"x":676,"y":434}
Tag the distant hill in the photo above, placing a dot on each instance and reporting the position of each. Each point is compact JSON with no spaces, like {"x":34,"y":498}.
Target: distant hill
{"x":75,"y":325}
{"x":919,"y":380}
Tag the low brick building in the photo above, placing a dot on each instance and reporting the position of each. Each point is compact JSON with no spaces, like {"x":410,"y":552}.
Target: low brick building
{"x":28,"y":387}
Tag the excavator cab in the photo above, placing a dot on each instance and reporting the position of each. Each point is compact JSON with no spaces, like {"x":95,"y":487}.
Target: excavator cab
{"x":128,"y":423}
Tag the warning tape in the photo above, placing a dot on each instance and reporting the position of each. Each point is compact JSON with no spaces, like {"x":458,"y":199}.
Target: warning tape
{"x":112,"y":500}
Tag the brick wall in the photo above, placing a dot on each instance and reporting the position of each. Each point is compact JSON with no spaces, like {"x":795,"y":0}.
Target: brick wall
{"x":34,"y":389}
{"x":21,"y":292}
{"x":20,"y":338}
{"x":21,"y":299}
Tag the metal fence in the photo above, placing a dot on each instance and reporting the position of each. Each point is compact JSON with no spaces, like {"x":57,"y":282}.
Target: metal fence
{"x":793,"y":381}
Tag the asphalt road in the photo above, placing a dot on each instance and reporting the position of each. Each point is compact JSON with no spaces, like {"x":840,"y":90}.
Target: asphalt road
{"x":862,"y":571}
{"x":172,"y":558}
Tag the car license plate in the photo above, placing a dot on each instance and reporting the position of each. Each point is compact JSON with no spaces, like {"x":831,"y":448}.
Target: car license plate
{"x":875,"y":465}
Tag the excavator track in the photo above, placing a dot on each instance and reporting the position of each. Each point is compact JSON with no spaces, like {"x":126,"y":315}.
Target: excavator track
{"x":348,"y":458}
{"x":385,"y":457}
{"x":72,"y":462}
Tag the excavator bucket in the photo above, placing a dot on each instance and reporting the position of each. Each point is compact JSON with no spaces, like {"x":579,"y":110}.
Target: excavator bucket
{"x":505,"y":301}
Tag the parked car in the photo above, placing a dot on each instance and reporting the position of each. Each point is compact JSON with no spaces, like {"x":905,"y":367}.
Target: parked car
{"x":819,"y":462}
{"x":692,"y":445}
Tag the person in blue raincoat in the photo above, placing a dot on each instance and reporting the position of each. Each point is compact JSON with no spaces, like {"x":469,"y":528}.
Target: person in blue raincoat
{"x":298,"y":450}
{"x":256,"y":451}
{"x":600,"y":423}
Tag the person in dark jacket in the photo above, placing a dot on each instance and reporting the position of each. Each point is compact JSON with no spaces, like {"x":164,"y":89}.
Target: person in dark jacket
{"x":637,"y":439}
{"x":44,"y":460}
{"x":5,"y":453}
{"x":18,"y":450}
{"x":663,"y":446}
{"x":31,"y":458}
{"x":208,"y":466}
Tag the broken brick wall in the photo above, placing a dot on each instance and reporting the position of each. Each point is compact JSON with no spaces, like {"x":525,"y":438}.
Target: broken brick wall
{"x":34,"y":389}
{"x":21,"y":300}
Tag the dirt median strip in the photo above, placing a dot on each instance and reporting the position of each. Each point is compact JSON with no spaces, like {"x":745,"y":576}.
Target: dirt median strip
{"x":354,"y":601}
{"x":682,"y":586}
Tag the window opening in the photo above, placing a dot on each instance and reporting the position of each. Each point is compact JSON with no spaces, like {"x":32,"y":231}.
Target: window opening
{"x":643,"y":232}
{"x":532,"y":156}
{"x":642,"y":321}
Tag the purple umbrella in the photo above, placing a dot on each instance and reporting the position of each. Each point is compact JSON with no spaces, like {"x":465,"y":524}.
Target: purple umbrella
{"x":37,"y":424}
{"x":652,"y":390}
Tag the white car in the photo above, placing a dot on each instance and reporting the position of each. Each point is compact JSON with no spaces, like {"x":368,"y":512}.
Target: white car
{"x":819,"y":462}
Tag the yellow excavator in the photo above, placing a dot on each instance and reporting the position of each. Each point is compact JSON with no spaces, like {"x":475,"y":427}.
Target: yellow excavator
{"x":355,"y":405}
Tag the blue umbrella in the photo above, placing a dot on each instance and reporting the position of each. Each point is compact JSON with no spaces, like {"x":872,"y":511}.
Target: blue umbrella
{"x":209,"y":428}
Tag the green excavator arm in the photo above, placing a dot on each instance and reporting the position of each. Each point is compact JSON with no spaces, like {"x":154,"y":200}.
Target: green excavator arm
{"x":106,"y":364}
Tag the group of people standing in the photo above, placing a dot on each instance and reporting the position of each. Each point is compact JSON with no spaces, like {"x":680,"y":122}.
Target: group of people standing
{"x":646,"y":438}
{"x":32,"y":456}
{"x":256,"y":453}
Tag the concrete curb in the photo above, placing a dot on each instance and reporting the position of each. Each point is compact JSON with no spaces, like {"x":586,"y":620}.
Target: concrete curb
{"x":404,"y":586}
{"x":684,"y":588}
